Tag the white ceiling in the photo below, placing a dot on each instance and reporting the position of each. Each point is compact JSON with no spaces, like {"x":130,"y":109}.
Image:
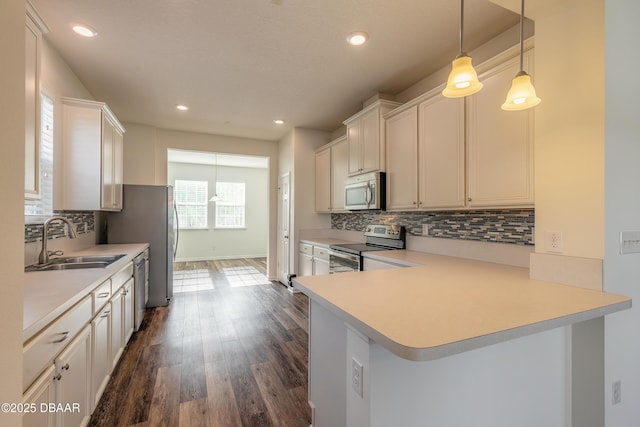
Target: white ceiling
{"x":208,"y":158}
{"x":239,"y":64}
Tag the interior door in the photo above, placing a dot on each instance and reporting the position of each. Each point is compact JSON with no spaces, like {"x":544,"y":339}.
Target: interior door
{"x":284,"y":219}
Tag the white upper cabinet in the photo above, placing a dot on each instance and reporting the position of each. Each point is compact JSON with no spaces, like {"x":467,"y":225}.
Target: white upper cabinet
{"x":441,"y":153}
{"x":402,"y":160}
{"x":366,"y":137}
{"x":339,"y":171}
{"x":500,"y":143}
{"x":331,"y":170}
{"x":323,"y":180}
{"x":92,"y":139}
{"x":34,"y":28}
{"x":430,"y":168}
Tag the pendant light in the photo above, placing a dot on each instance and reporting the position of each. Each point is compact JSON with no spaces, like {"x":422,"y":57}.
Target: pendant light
{"x":522,"y":94}
{"x":463,"y":79}
{"x":215,"y":197}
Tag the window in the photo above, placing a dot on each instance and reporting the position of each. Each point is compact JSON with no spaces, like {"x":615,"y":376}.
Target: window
{"x":191,"y":203}
{"x":230,"y":207}
{"x":44,"y":206}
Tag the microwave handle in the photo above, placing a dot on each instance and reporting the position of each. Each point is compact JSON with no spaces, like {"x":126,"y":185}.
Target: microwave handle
{"x":367,"y":194}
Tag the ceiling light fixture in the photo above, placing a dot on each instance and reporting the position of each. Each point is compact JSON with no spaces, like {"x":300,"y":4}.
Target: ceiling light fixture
{"x":182,"y":107}
{"x":357,"y":38}
{"x":84,"y":30}
{"x":278,"y":121}
{"x":463,"y":79}
{"x":522,"y":94}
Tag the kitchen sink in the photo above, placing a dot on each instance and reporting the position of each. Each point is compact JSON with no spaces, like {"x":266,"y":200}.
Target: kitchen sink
{"x":75,"y":262}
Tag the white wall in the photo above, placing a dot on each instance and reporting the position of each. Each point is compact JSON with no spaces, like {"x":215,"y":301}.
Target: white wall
{"x":213,"y":243}
{"x":145,"y":148}
{"x":622,"y":207}
{"x":297,"y":156}
{"x":12,"y":113}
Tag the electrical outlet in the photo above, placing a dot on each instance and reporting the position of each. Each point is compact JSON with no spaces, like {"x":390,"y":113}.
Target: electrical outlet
{"x":553,"y":241}
{"x":356,"y":376}
{"x":425,"y":229}
{"x":616,"y":396}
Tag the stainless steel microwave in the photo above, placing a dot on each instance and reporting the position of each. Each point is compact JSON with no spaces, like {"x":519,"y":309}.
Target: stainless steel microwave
{"x":365,"y":191}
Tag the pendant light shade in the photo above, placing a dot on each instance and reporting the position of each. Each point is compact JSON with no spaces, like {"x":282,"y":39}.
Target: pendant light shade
{"x":215,"y":197}
{"x":463,"y":79}
{"x":522,"y":94}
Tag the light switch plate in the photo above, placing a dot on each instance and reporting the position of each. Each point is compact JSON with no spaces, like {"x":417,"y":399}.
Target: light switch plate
{"x":629,"y":242}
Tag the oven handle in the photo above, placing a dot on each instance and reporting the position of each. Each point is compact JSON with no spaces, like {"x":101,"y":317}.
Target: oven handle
{"x":343,"y":255}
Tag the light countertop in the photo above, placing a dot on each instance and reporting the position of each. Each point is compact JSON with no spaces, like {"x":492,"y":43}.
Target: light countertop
{"x":48,"y":294}
{"x":449,"y":305}
{"x":325,"y":241}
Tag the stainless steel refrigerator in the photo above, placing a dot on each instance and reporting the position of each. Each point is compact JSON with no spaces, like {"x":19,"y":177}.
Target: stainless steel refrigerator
{"x":148,"y":216}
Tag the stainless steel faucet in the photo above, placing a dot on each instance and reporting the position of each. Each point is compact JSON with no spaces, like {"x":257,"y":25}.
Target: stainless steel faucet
{"x":44,"y":255}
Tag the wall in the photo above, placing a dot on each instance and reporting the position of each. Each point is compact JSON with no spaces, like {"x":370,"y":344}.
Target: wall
{"x":148,"y":146}
{"x":12,"y":116}
{"x":297,"y":156}
{"x":622,"y":208}
{"x":212,"y":243}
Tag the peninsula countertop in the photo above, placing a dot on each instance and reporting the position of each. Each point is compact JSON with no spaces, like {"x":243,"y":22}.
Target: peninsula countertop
{"x":48,"y":294}
{"x":450,"y":305}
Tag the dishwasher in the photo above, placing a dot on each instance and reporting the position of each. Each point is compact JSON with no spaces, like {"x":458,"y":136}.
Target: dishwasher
{"x":140,"y":285}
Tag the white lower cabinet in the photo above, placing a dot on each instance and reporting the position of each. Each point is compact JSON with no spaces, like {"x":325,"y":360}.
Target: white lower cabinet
{"x":73,"y":375}
{"x":128,"y":310}
{"x":117,"y":332}
{"x":313,"y":259}
{"x":41,"y":392}
{"x":101,"y":351}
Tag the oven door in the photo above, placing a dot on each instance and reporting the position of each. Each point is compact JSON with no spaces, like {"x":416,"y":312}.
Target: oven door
{"x":341,"y":262}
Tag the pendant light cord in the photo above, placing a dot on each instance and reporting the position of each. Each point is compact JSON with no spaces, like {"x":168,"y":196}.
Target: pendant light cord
{"x":522,"y":36}
{"x":462,"y":23}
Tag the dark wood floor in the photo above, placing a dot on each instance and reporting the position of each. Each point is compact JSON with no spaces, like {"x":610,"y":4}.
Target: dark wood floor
{"x":234,"y":354}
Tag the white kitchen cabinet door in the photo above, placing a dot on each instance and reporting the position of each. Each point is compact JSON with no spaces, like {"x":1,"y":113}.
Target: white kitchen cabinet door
{"x":402,"y":162}
{"x":117,"y":331}
{"x":366,"y":137}
{"x":306,"y":264}
{"x":73,"y":368}
{"x":41,"y":392}
{"x":128,"y":311}
{"x":339,"y":172}
{"x":500,"y":143}
{"x":92,"y":156}
{"x":323,"y":180}
{"x":100,"y":353}
{"x":33,"y":44}
{"x":320,"y":267}
{"x":441,"y":153}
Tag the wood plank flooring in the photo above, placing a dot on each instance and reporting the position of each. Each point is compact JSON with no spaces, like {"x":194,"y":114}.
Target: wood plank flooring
{"x":230,"y":350}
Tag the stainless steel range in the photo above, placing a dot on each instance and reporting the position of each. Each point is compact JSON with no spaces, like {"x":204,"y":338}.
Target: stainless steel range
{"x":379,"y":237}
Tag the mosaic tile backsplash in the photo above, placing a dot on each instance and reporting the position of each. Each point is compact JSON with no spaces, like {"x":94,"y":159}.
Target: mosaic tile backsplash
{"x":503,"y":226}
{"x":82,"y":221}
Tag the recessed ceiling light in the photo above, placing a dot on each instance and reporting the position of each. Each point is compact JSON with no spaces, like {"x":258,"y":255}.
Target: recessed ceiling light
{"x":357,"y":38}
{"x":182,"y":107}
{"x":278,"y":121}
{"x":84,"y":30}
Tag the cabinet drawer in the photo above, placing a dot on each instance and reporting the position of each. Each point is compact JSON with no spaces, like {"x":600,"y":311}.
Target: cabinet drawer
{"x":44,"y":347}
{"x":306,"y":248}
{"x":120,"y":278}
{"x":101,"y":295}
{"x":321,"y":252}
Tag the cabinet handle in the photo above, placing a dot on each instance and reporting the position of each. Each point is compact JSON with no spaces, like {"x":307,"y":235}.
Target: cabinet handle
{"x":66,"y":367}
{"x":468,"y":199}
{"x":103,"y":294}
{"x":57,"y":377}
{"x":64,"y":334}
{"x":106,"y":314}
{"x":414,"y":202}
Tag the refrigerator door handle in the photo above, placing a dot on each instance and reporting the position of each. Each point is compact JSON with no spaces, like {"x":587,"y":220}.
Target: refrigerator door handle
{"x":175,"y":246}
